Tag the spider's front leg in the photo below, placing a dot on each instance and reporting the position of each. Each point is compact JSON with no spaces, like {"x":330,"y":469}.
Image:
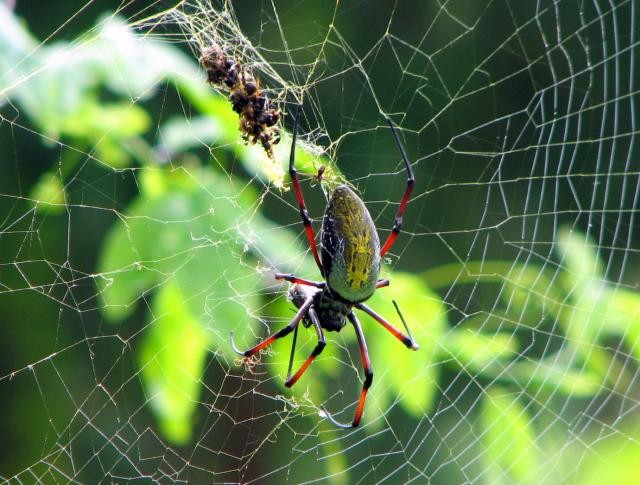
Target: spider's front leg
{"x":411,"y":181}
{"x":304,"y":308}
{"x":303,"y":298}
{"x":304,"y":214}
{"x":293,"y":279}
{"x":301,"y":281}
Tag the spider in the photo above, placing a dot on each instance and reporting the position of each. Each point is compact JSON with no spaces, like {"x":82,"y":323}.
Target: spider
{"x":350,"y":264}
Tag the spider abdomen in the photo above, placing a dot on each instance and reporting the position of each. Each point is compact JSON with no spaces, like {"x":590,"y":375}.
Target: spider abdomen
{"x":350,"y":247}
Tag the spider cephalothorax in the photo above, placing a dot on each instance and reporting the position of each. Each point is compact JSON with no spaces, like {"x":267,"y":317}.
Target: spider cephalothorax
{"x":331,"y":311}
{"x":350,"y":264}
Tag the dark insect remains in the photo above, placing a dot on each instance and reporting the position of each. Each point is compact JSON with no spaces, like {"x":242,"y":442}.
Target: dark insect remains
{"x":349,"y":261}
{"x":257,"y":119}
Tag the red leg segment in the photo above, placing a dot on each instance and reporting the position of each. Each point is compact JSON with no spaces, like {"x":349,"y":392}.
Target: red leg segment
{"x":366,"y":364}
{"x":406,"y":340}
{"x":368,"y":377}
{"x":291,"y":380}
{"x":279,"y":334}
{"x":300,"y":281}
{"x":304,"y":214}
{"x":397,"y":224}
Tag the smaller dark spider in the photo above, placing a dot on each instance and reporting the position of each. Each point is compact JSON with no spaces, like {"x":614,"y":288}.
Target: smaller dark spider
{"x":350,"y":264}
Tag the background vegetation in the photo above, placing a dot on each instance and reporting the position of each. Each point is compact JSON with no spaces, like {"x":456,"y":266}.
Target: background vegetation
{"x":137,"y":232}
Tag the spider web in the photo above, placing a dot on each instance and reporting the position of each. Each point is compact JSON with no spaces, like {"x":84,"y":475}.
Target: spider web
{"x":137,"y":231}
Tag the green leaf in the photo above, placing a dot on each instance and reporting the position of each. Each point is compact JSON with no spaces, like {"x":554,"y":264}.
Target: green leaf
{"x":219,"y":130}
{"x":490,"y":356}
{"x":59,"y":87}
{"x":202,"y":231}
{"x":19,"y":54}
{"x":582,"y":278}
{"x":476,"y":351}
{"x":624,"y":315}
{"x":179,"y":134}
{"x":508,"y":438}
{"x":182,"y":228}
{"x":107,"y":127}
{"x":590,"y":316}
{"x":560,"y":372}
{"x":613,"y":460}
{"x":142,"y":250}
{"x":124,"y":276}
{"x":172,"y":357}
{"x":180,"y":241}
{"x":48,"y":193}
{"x":579,"y":257}
{"x":530,"y":288}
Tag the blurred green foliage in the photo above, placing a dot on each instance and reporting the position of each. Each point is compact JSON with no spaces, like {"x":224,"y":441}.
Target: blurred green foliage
{"x":190,"y":245}
{"x":509,"y":437}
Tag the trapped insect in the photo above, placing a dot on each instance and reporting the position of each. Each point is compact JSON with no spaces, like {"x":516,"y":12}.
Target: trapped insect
{"x":257,"y":119}
{"x":349,"y":262}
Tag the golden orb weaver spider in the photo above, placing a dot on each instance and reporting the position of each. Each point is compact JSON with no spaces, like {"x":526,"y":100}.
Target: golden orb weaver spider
{"x":350,"y":264}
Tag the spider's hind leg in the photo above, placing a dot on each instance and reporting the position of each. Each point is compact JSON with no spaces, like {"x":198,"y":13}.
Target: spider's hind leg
{"x":366,"y":364}
{"x":407,"y":339}
{"x":368,"y":377}
{"x":291,"y":380}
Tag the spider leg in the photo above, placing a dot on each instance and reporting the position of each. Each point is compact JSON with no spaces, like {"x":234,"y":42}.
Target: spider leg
{"x":291,"y":380}
{"x":406,"y":340}
{"x":368,"y":377}
{"x":300,"y":281}
{"x":328,"y":415}
{"x":304,"y":308}
{"x":382,"y":284}
{"x":304,"y":214}
{"x":293,"y":349}
{"x":397,"y":224}
{"x":366,"y":364}
{"x":406,"y":327}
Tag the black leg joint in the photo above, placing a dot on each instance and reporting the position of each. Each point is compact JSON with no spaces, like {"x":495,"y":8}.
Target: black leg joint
{"x":283,"y":331}
{"x":306,"y":220}
{"x":319,"y":348}
{"x":397,"y":224}
{"x":368,"y":379}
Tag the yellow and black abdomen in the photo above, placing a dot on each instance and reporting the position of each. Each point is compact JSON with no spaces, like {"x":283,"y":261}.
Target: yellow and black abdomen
{"x":350,"y":247}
